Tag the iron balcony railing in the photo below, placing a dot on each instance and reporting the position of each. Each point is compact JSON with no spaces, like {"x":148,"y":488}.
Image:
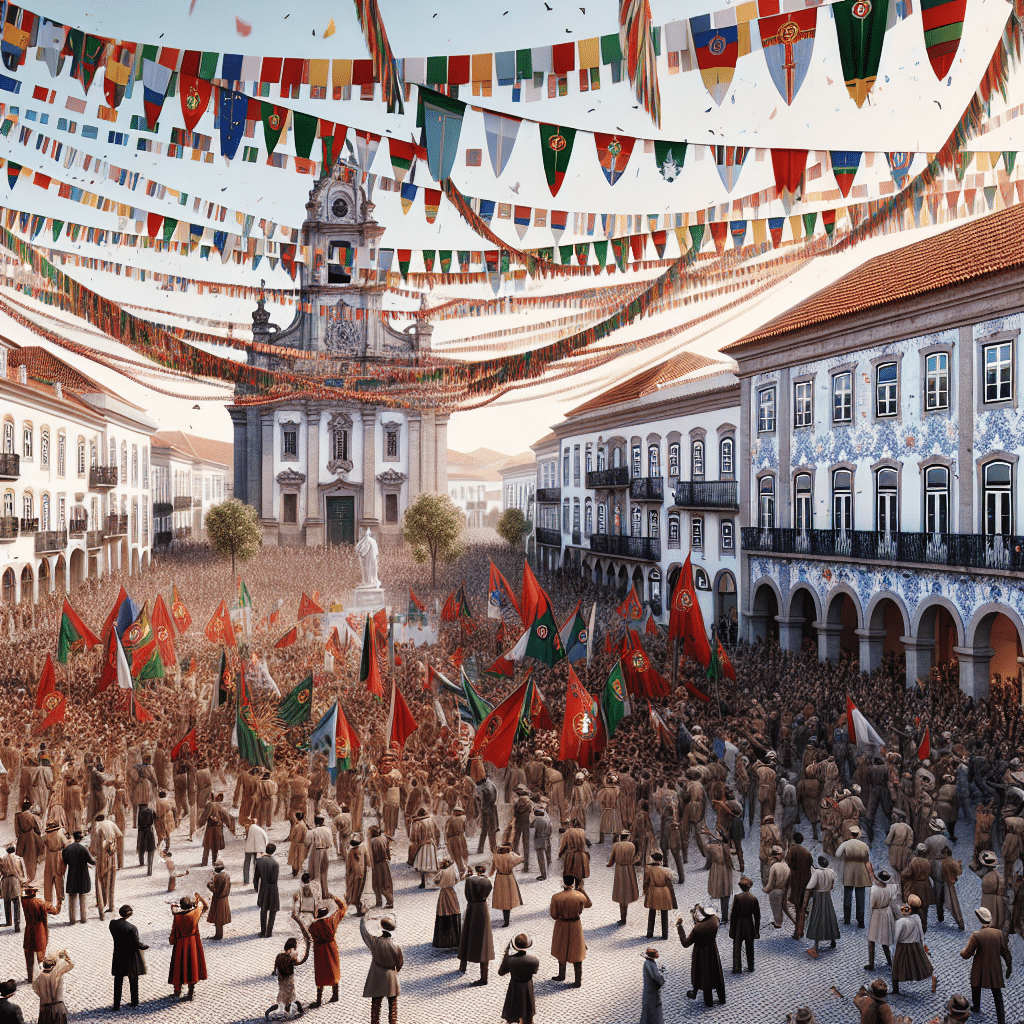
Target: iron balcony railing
{"x":647,"y":488}
{"x":553,"y":538}
{"x":182,"y":502}
{"x":51,"y":540}
{"x":957,"y":550}
{"x":646,"y":548}
{"x":161,"y":509}
{"x":29,"y":525}
{"x":707,"y":494}
{"x":9,"y":527}
{"x":10,"y":465}
{"x":117,"y":526}
{"x":102,"y":476}
{"x":618,"y":476}
{"x":77,"y":527}
{"x":549,"y":495}
{"x":94,"y":539}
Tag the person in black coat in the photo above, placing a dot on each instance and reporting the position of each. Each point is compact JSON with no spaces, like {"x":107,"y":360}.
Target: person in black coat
{"x":476,"y":943}
{"x":10,"y":1013}
{"x":519,"y":1002}
{"x":78,"y":882}
{"x":145,"y":844}
{"x":744,"y":925}
{"x":705,"y":964}
{"x":264,"y":880}
{"x":128,"y":961}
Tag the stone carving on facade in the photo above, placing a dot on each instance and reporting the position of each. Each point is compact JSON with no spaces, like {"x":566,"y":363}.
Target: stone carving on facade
{"x":291,"y":478}
{"x":392,"y":427}
{"x":343,"y":337}
{"x":339,"y":421}
{"x":340,"y":467}
{"x":391,"y":478}
{"x":285,"y":426}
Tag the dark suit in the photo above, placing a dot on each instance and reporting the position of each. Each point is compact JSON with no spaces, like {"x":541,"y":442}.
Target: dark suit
{"x":744,"y":927}
{"x":145,"y":843}
{"x":78,"y":883}
{"x":800,"y":863}
{"x":519,"y":1002}
{"x":705,"y":964}
{"x":127,"y":961}
{"x":10,"y":1013}
{"x":264,"y":880}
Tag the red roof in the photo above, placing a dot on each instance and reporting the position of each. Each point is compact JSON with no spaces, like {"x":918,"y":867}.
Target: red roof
{"x":205,"y":449}
{"x":985,"y":246}
{"x":45,"y":365}
{"x":648,"y":381}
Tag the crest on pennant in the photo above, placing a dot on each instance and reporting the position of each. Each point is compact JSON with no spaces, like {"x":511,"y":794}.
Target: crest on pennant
{"x":670,"y":170}
{"x":861,"y":9}
{"x":557,"y":143}
{"x":717,"y":45}
{"x":193,"y":99}
{"x":493,"y":725}
{"x":162,"y":634}
{"x":585,"y":725}
{"x":133,"y":634}
{"x":542,"y":631}
{"x":789,"y":31}
{"x":582,"y":636}
{"x":51,"y":700}
{"x":274,"y":121}
{"x":617,"y":688}
{"x":303,"y":697}
{"x":342,"y":749}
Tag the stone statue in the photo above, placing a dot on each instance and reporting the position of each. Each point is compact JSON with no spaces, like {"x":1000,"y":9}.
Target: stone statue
{"x":366,"y":550}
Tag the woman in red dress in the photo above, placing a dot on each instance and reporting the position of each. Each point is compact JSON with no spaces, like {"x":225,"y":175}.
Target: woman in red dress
{"x":188,"y":962}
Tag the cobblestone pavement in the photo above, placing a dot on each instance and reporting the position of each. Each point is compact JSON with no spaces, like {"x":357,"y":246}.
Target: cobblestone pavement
{"x":240,"y":987}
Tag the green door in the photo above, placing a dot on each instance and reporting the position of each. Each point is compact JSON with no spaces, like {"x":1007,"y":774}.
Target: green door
{"x":341,"y":520}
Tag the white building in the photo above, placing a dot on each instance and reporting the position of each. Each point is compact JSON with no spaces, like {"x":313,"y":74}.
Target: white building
{"x":190,"y":475}
{"x":519,"y":483}
{"x":74,"y":477}
{"x":467,"y":486}
{"x":642,"y":475}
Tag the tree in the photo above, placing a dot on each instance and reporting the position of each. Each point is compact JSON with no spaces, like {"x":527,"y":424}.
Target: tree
{"x":234,"y":529}
{"x":513,"y":526}
{"x":433,"y":526}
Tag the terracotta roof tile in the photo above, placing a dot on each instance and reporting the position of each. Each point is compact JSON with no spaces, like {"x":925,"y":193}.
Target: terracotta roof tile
{"x":44,"y":364}
{"x":985,"y":246}
{"x":205,"y":449}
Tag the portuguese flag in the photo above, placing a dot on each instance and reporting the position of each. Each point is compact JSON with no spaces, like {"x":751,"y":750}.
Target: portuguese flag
{"x":369,"y":669}
{"x":614,"y":700}
{"x":251,"y":746}
{"x":75,"y":636}
{"x":297,"y":707}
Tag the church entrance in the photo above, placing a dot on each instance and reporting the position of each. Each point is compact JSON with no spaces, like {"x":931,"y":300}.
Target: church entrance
{"x":341,"y":520}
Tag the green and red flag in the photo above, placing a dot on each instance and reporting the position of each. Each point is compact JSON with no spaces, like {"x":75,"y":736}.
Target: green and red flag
{"x":297,"y":707}
{"x":720,"y":664}
{"x":556,"y":149}
{"x":223,"y":694}
{"x":274,"y":120}
{"x":497,"y":732}
{"x":860,"y":26}
{"x":75,"y":636}
{"x":251,"y":746}
{"x":141,"y":648}
{"x":187,"y":741}
{"x":346,"y":744}
{"x":369,"y":667}
{"x":582,"y":729}
{"x":456,"y":607}
{"x":943,"y":23}
{"x":47,"y":683}
{"x":631,"y":609}
{"x":614,"y":700}
{"x":163,"y":627}
{"x":542,"y":639}
{"x":574,"y":635}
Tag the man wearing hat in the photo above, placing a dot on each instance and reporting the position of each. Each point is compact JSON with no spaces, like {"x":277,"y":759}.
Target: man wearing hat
{"x":103,"y":846}
{"x":326,"y":962}
{"x":220,"y":903}
{"x":37,"y":930}
{"x":519,"y":1005}
{"x":522,"y":818}
{"x":624,"y":887}
{"x":951,"y":871}
{"x":770,"y":836}
{"x":672,"y":838}
{"x":487,"y":805}
{"x":455,"y":838}
{"x":803,"y":1015}
{"x":1013,"y":840}
{"x":776,"y":886}
{"x":542,"y":841}
{"x":54,"y":841}
{"x":958,"y":1009}
{"x":872,"y":1005}
{"x":705,"y":964}
{"x":386,"y":960}
{"x":947,"y":803}
{"x":10,"y":1013}
{"x":899,"y":840}
{"x":78,"y":860}
{"x":659,"y":894}
{"x":744,"y":925}
{"x":801,"y":864}
{"x":567,"y":942}
{"x":357,"y":864}
{"x":993,"y":890}
{"x":936,"y":846}
{"x":476,"y":943}
{"x":916,"y":879}
{"x":884,"y":900}
{"x":12,"y":876}
{"x":574,"y":854}
{"x":318,"y":841}
{"x":49,"y":986}
{"x":128,"y":961}
{"x":380,"y":868}
{"x":651,"y":1011}
{"x":855,"y":855}
{"x":264,"y":878}
{"x":608,"y":801}
{"x":984,"y":948}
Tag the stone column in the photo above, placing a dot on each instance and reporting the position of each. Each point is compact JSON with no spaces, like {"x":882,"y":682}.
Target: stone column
{"x":830,"y":636}
{"x":266,"y":505}
{"x":241,"y":445}
{"x":369,"y":465}
{"x":791,"y":633}
{"x":427,"y":459}
{"x":756,"y":627}
{"x":872,"y":647}
{"x":974,"y":670}
{"x":919,"y":657}
{"x":963,"y":396}
{"x":253,"y":455}
{"x":742,"y":465}
{"x":441,"y":455}
{"x":413,"y":455}
{"x":314,"y":512}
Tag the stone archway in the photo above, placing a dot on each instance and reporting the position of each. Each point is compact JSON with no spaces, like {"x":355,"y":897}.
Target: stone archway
{"x":8,"y":586}
{"x":804,"y":613}
{"x":936,"y":634}
{"x":77,"y":567}
{"x":60,"y":575}
{"x":764,"y":611}
{"x":886,"y":623}
{"x":838,"y":633}
{"x":622,"y":583}
{"x":27,"y":578}
{"x":43,"y":578}
{"x":993,"y":647}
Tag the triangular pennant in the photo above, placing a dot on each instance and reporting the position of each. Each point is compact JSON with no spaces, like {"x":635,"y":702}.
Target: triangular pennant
{"x":788,"y":41}
{"x":861,"y":27}
{"x":195,"y":98}
{"x":669,"y":158}
{"x":613,"y":152}
{"x":556,"y":149}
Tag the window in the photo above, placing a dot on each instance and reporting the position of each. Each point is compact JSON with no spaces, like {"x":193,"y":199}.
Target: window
{"x":588,"y":518}
{"x":653,"y":523}
{"x":590,"y":459}
{"x":145,"y":467}
{"x":124,"y":462}
{"x":617,"y":458}
{"x":637,"y":467}
{"x":602,"y":459}
{"x":936,"y":499}
{"x":26,"y":442}
{"x":113,"y":453}
{"x":636,"y":521}
{"x":44,"y":511}
{"x":575,"y":515}
{"x":655,"y":584}
{"x":886,"y":388}
{"x":997,"y":483}
{"x":339,"y":445}
{"x":290,"y":442}
{"x":290,"y":508}
{"x":94,"y":514}
{"x":576,"y":466}
{"x":61,"y":514}
{"x":135,"y":465}
{"x":842,"y":501}
{"x":565,"y":468}
{"x":9,"y":437}
{"x":602,"y":518}
{"x":842,"y":397}
{"x":565,"y":516}
{"x":936,"y":385}
{"x":8,"y":503}
{"x":998,"y":362}
{"x":697,"y":460}
{"x":81,"y":457}
{"x":390,"y":508}
{"x":673,"y":529}
{"x":135,"y":519}
{"x":802,"y":502}
{"x":803,"y":403}
{"x":44,"y":448}
{"x":391,"y":445}
{"x":728,"y":536}
{"x":654,"y":460}
{"x":206,"y":488}
{"x":673,"y":459}
{"x":766,"y":503}
{"x":697,"y":532}
{"x":887,"y":501}
{"x":62,"y":453}
{"x":765,"y":410}
{"x":726,"y":450}
{"x":26,"y":506}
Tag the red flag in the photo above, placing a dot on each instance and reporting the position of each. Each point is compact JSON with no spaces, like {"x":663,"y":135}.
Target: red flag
{"x":497,"y":732}
{"x":307,"y":606}
{"x":179,"y":612}
{"x":219,"y":629}
{"x":195,"y":98}
{"x":685,"y":619}
{"x":582,"y":729}
{"x":631,"y":609}
{"x":413,"y":599}
{"x":401,"y":724}
{"x":789,"y":166}
{"x":333,"y":644}
{"x":608,"y":648}
{"x":112,"y":617}
{"x":650,"y":626}
{"x":533,"y":596}
{"x":924,"y":751}
{"x":163,"y":628}
{"x":288,"y":639}
{"x":457,"y":657}
{"x":380,"y":621}
{"x":55,"y":706}
{"x":540,"y":714}
{"x":727,"y":669}
{"x":661,"y":730}
{"x":275,"y":616}
{"x":468,"y":625}
{"x":47,"y":683}
{"x":141,"y":714}
{"x":109,"y":674}
{"x":641,"y":676}
{"x":188,"y":740}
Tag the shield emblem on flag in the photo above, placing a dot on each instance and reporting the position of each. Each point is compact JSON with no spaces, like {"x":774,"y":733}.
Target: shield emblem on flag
{"x":193,"y":99}
{"x":342,"y":748}
{"x":303,"y":697}
{"x":557,"y":143}
{"x":162,"y":635}
{"x":51,"y":700}
{"x":617,"y":688}
{"x":274,"y":121}
{"x":584,"y":725}
{"x":133,"y":634}
{"x":542,"y":632}
{"x":639,"y":661}
{"x":582,"y":636}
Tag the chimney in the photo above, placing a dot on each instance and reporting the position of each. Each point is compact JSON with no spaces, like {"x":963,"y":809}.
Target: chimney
{"x":22,"y":374}
{"x":58,"y":389}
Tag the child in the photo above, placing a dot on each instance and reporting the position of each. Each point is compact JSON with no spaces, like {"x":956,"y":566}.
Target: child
{"x":172,"y":874}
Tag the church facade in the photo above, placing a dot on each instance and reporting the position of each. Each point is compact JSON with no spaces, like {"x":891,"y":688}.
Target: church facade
{"x":316,"y":470}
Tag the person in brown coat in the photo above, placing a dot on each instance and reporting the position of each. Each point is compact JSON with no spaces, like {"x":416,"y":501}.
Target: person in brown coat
{"x":28,"y":838}
{"x":744,"y":925}
{"x":356,"y":864}
{"x":188,"y":961}
{"x":476,"y":943}
{"x":216,"y":819}
{"x":326,"y":962}
{"x":506,"y":896}
{"x":872,"y":1005}
{"x":573,"y":851}
{"x":387,"y":959}
{"x":917,"y":881}
{"x":800,"y":862}
{"x":567,"y":942}
{"x":624,"y":887}
{"x":37,"y":929}
{"x":658,"y":894}
{"x":986,"y":946}
{"x":220,"y":907}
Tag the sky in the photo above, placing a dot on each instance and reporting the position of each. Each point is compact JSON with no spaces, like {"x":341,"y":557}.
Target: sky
{"x":908,"y":110}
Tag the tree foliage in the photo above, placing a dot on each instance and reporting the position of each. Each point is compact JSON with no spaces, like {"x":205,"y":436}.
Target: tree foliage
{"x":433,"y":526}
{"x":513,"y":526}
{"x":234,"y":529}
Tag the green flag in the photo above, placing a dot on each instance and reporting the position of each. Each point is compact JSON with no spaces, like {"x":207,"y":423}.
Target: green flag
{"x":544,"y":643}
{"x":74,"y":636}
{"x":556,"y":148}
{"x":297,"y":707}
{"x":614,"y":702}
{"x":478,"y":708}
{"x":152,"y":667}
{"x":251,"y":746}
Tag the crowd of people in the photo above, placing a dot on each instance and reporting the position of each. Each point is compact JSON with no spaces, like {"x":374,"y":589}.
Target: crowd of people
{"x":771,"y":758}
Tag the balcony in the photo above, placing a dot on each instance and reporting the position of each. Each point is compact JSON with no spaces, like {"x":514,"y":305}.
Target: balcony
{"x":77,"y":527}
{"x":576,"y":537}
{"x":183,"y":533}
{"x":549,"y":495}
{"x":117,"y":526}
{"x":553,"y":538}
{"x":708,"y":494}
{"x":102,"y":477}
{"x":954,"y":550}
{"x":161,"y":509}
{"x":48,"y":541}
{"x":10,"y":466}
{"x":617,"y":477}
{"x":29,"y":525}
{"x":9,"y":528}
{"x":94,"y":539}
{"x":647,"y":488}
{"x":182,"y":503}
{"x":647,"y":549}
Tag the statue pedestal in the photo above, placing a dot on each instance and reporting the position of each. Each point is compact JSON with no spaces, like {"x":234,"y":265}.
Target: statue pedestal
{"x":368,"y":599}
